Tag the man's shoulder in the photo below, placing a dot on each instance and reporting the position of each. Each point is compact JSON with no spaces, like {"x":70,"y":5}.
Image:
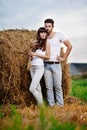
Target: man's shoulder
{"x":59,"y":33}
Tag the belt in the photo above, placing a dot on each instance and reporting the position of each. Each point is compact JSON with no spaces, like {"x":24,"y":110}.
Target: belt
{"x":51,"y":62}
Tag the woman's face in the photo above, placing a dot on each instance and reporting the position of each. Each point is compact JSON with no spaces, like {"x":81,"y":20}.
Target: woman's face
{"x":43,"y":35}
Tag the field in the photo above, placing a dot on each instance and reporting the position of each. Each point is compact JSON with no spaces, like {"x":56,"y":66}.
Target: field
{"x":73,"y":116}
{"x":18,"y":109}
{"x":79,"y":89}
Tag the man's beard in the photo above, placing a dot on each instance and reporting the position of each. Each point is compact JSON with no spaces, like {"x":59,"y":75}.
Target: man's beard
{"x":49,"y":32}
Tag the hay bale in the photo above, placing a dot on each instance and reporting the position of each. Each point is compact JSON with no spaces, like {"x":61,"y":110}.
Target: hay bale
{"x":14,"y":77}
{"x":72,"y":100}
{"x":66,"y":77}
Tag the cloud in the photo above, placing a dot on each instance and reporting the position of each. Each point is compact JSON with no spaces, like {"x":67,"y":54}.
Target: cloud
{"x":79,"y":51}
{"x":66,"y":13}
{"x":70,"y":17}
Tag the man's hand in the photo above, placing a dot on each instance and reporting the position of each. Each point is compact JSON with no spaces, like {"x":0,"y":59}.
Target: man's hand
{"x":59,"y":58}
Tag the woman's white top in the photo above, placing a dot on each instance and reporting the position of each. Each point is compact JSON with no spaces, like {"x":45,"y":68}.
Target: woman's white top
{"x":37,"y":60}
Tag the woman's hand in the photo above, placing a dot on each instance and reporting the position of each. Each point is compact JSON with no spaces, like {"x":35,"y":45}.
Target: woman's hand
{"x":30,"y":53}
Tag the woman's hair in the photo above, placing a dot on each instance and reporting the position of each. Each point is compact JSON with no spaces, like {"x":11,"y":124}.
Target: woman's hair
{"x":41,"y":42}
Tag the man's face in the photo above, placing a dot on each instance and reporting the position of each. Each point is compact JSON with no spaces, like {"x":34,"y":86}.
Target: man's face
{"x":49,"y":27}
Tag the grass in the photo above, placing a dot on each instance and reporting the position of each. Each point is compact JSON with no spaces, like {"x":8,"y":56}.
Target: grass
{"x":79,"y":88}
{"x":12,"y":120}
{"x":46,"y":122}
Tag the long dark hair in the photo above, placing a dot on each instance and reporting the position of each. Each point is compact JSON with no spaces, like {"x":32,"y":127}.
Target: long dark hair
{"x":41,"y":43}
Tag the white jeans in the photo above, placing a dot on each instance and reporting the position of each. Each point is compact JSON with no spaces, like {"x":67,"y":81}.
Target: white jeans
{"x":35,"y":88}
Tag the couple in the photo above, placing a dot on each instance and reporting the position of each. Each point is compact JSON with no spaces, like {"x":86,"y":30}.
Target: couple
{"x":46,"y":60}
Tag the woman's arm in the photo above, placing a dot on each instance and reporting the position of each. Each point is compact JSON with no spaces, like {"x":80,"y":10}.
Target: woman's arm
{"x":47,"y":54}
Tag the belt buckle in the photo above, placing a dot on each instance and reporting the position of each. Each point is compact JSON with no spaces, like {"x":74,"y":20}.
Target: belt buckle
{"x":54,"y":62}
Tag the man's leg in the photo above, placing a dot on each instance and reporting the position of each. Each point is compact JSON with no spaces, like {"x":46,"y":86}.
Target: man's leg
{"x":49,"y":86}
{"x":57,"y":78}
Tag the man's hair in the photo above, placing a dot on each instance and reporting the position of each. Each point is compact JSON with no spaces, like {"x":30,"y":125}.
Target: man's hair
{"x":49,"y":21}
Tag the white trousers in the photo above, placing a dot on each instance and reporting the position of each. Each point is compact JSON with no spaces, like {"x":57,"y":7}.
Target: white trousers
{"x":35,"y":88}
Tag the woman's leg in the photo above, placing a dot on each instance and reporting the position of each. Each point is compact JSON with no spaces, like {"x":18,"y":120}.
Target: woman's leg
{"x":35,"y":88}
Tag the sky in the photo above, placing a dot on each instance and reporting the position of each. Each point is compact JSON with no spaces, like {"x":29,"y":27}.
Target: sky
{"x":70,"y":17}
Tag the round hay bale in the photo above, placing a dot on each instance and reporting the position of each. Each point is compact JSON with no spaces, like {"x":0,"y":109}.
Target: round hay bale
{"x":66,"y":77}
{"x":14,"y":77}
{"x":72,"y":100}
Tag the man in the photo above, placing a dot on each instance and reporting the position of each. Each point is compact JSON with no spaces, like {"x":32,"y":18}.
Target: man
{"x":53,"y":72}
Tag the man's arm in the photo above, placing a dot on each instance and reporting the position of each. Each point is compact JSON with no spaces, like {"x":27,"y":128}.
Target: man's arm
{"x":68,"y":44}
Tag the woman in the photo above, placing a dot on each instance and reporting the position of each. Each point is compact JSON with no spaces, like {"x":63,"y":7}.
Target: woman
{"x":41,"y":53}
